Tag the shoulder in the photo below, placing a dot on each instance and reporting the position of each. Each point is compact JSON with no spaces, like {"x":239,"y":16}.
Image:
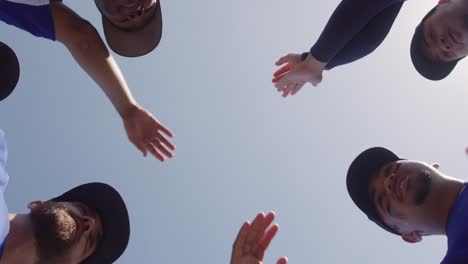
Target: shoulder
{"x":452,"y":260}
{"x":33,"y":16}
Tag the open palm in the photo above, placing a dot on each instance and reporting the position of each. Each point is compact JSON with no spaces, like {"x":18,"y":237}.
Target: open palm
{"x":294,"y":73}
{"x":253,"y":240}
{"x":148,"y":134}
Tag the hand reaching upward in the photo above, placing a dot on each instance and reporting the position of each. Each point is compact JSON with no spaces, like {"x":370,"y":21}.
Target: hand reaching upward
{"x":148,"y":134}
{"x":290,"y":78}
{"x":253,"y":240}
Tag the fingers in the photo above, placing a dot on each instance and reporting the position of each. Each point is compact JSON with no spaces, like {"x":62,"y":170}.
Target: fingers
{"x":159,"y":144}
{"x":283,"y":82}
{"x":152,"y":149}
{"x":266,"y":236}
{"x":281,"y":71}
{"x":291,"y":89}
{"x":238,"y":245}
{"x":253,"y":239}
{"x":161,"y":148}
{"x":158,"y":150}
{"x":291,"y":86}
{"x":285,"y":59}
{"x":142,"y":149}
{"x":255,"y":233}
{"x":166,"y":131}
{"x":282,"y":260}
{"x":165,"y":141}
{"x":148,"y":134}
{"x":291,"y":60}
{"x":266,"y":240}
{"x":297,"y":88}
{"x":287,"y":86}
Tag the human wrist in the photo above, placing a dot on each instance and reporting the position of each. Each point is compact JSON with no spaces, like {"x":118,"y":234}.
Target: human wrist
{"x":128,"y":109}
{"x":314,"y":63}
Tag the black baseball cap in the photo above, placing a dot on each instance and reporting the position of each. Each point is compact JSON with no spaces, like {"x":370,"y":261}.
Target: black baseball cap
{"x":136,"y":42}
{"x":110,"y":206}
{"x":9,"y":71}
{"x":360,"y":173}
{"x":429,"y":68}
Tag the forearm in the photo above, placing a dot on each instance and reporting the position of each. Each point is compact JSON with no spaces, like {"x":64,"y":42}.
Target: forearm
{"x":94,"y":58}
{"x":368,"y":39}
{"x":88,"y":49}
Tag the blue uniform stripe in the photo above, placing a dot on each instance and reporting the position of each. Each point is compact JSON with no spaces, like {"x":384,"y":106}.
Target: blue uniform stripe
{"x":2,"y":247}
{"x":32,"y":16}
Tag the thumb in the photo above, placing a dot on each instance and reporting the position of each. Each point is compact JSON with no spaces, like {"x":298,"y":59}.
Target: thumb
{"x":284,"y":59}
{"x":141,"y":148}
{"x":282,"y":260}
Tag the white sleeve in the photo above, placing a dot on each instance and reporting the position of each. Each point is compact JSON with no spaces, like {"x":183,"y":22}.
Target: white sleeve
{"x":3,"y":150}
{"x":31,"y":2}
{"x":3,"y":159}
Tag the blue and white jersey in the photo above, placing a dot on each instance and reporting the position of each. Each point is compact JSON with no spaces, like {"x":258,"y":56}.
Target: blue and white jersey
{"x":33,"y":16}
{"x":4,"y":221}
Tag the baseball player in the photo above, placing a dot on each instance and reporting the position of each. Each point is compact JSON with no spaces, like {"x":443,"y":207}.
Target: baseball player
{"x":411,"y":199}
{"x":88,"y":224}
{"x":357,"y":27}
{"x":132,"y":28}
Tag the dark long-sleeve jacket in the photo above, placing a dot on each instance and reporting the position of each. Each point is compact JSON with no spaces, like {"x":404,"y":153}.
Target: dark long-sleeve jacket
{"x":355,"y":29}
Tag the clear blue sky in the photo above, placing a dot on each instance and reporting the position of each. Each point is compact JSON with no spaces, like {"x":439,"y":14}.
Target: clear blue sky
{"x":241,"y":147}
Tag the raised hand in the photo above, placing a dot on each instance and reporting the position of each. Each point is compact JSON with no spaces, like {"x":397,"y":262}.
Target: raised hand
{"x":292,"y":76}
{"x":253,"y":240}
{"x":148,"y":134}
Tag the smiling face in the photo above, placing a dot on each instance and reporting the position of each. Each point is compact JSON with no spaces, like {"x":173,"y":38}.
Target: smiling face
{"x":400,"y":192}
{"x":65,"y":232}
{"x":445,"y":32}
{"x":127,"y":14}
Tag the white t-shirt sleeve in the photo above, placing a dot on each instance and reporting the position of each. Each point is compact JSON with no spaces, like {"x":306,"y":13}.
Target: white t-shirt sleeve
{"x":4,"y":222}
{"x":3,"y":159}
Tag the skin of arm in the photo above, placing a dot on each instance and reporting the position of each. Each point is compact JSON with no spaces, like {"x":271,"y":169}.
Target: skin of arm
{"x":88,"y":49}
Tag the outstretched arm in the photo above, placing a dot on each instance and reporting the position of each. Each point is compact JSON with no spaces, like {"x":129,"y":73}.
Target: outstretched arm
{"x":347,"y":21}
{"x":355,"y":29}
{"x":88,"y":49}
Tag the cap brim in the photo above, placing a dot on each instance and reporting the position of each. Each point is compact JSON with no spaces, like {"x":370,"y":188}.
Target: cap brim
{"x":360,"y":173}
{"x":108,"y":203}
{"x":9,"y":71}
{"x":138,"y":42}
{"x":427,"y":67}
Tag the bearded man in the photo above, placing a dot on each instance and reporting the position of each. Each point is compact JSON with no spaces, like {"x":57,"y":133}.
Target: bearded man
{"x":411,"y":199}
{"x":88,"y":224}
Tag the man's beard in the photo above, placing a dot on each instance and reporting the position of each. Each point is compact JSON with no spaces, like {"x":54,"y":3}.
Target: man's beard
{"x":53,"y":231}
{"x":423,"y":186}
